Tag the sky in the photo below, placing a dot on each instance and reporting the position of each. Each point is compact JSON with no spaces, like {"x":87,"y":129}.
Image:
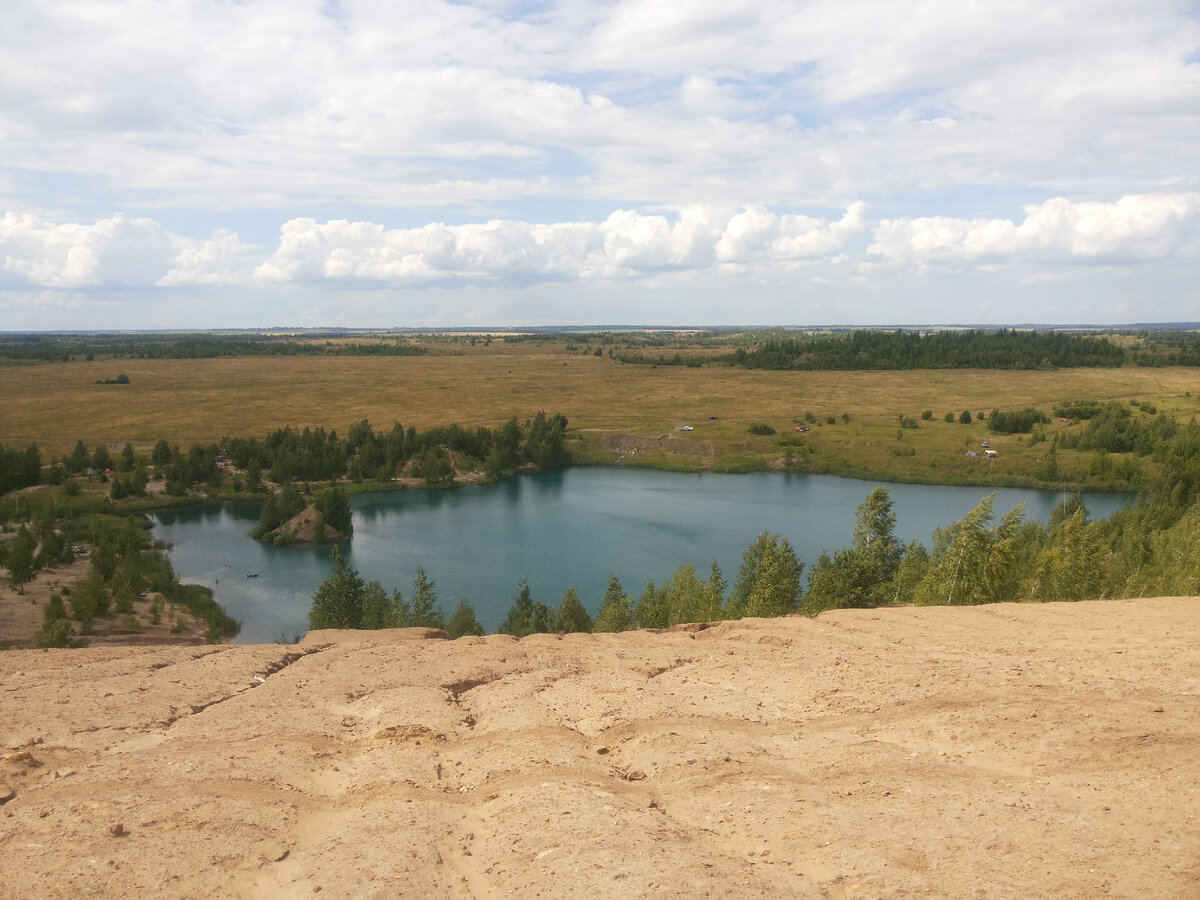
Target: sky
{"x":224,"y":164}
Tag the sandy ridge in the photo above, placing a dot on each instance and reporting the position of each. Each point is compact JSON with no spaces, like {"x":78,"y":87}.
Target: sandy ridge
{"x":1010,"y":750}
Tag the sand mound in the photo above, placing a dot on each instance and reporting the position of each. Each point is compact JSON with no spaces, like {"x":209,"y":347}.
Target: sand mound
{"x":1010,"y":750}
{"x":302,"y":527}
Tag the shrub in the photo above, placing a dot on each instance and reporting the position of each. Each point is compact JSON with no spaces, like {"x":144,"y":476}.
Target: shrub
{"x":1018,"y":422}
{"x":761,"y":428}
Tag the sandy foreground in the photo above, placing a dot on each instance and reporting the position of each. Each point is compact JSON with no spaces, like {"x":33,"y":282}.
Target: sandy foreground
{"x":1002,"y":751}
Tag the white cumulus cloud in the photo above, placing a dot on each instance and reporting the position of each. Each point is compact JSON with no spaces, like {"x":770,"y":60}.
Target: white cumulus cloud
{"x":1136,"y":228}
{"x":120,"y":251}
{"x":627,"y":244}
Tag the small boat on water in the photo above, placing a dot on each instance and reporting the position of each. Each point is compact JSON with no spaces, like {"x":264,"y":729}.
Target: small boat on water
{"x":251,"y":574}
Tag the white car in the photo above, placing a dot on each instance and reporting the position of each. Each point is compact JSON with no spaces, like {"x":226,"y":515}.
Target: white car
{"x":686,"y":428}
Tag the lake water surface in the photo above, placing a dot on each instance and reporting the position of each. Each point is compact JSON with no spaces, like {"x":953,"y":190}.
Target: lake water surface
{"x":557,"y":530}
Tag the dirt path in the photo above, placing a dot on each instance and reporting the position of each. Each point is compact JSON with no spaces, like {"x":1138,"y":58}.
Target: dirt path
{"x":1001,"y":751}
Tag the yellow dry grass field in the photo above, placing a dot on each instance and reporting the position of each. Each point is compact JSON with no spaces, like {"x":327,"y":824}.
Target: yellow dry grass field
{"x":194,"y":401}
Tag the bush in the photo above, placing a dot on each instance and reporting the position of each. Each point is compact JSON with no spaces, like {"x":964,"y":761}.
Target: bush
{"x":57,"y":633}
{"x":964,"y":418}
{"x":760,"y":428}
{"x":927,"y":414}
{"x":464,"y":622}
{"x":1019,"y":422}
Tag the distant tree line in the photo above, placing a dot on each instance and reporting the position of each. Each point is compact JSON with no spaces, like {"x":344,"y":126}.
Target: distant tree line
{"x":313,"y":454}
{"x":1002,"y":349}
{"x":289,"y":455}
{"x":870,"y":350}
{"x":62,"y":348}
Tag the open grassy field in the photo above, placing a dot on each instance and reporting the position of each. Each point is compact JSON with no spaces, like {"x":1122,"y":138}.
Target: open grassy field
{"x":613,"y":408}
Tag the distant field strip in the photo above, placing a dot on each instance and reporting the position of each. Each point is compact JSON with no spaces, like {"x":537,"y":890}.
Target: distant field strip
{"x":191,"y":401}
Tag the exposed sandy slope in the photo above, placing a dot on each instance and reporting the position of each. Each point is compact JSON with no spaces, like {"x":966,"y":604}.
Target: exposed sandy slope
{"x":1014,"y":751}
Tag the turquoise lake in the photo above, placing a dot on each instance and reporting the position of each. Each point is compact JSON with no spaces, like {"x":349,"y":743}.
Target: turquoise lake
{"x":556,"y":530}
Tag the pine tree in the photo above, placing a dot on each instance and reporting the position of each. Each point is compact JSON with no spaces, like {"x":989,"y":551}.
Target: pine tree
{"x":464,"y":622}
{"x":380,"y":610}
{"x":768,"y":582}
{"x":525,"y":616}
{"x":615,"y":612}
{"x":569,"y":616}
{"x":19,"y":561}
{"x":425,"y":611}
{"x":713,"y":601}
{"x":653,"y":610}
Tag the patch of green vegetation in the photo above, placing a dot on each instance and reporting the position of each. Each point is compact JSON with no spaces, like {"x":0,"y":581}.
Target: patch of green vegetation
{"x":740,"y":463}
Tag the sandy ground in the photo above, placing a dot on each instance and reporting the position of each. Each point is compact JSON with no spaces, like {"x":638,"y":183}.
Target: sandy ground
{"x":1000,"y":751}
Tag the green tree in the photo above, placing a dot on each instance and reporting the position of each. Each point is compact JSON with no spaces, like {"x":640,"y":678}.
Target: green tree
{"x":127,"y":459}
{"x":874,"y":536}
{"x":464,"y":622}
{"x":434,"y":466}
{"x":653,"y":609}
{"x":911,"y":570}
{"x":768,"y":582}
{"x":1071,"y":564}
{"x":161,"y":455}
{"x":525,"y":616}
{"x":104,"y":557}
{"x":712,"y":604}
{"x":254,"y":476}
{"x":77,"y":462}
{"x":101,"y":459}
{"x":1175,"y":559}
{"x":425,"y":610}
{"x":56,"y":633}
{"x":89,"y":600}
{"x":338,"y":602}
{"x":334,"y":504}
{"x":507,"y":444}
{"x":973,"y":563}
{"x":19,"y":561}
{"x":545,"y":445}
{"x":615,"y":610}
{"x":278,"y":508}
{"x":569,"y":616}
{"x":836,"y":582}
{"x":861,"y":576}
{"x":379,"y":610}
